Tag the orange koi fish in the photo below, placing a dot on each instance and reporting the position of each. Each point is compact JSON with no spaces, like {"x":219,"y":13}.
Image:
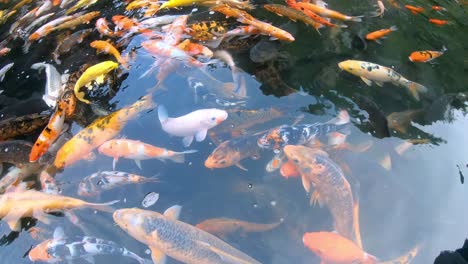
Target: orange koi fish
{"x":106,"y":47}
{"x":294,"y":4}
{"x":333,"y":248}
{"x":328,"y":12}
{"x":414,"y":9}
{"x":331,"y":188}
{"x":48,"y":28}
{"x":151,"y":10}
{"x":293,"y":14}
{"x":103,"y":27}
{"x":99,"y":132}
{"x":221,"y":227}
{"x":78,"y":20}
{"x":426,"y":55}
{"x":245,"y":18}
{"x":176,"y":30}
{"x":438,"y":8}
{"x":138,"y":151}
{"x":48,"y":136}
{"x":37,"y":204}
{"x":376,"y":35}
{"x":439,"y":22}
{"x":161,"y":48}
{"x":137,"y":4}
{"x":195,"y":49}
{"x":4,"y":51}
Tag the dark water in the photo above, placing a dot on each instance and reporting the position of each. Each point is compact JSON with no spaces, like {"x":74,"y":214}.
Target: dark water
{"x":420,"y":200}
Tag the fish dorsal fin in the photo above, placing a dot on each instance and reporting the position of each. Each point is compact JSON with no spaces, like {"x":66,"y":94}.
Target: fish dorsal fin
{"x":173,"y":212}
{"x":157,"y":256}
{"x":58,"y":233}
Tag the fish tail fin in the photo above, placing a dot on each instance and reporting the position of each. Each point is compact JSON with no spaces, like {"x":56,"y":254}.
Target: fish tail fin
{"x":105,"y":207}
{"x":321,"y":3}
{"x":162,"y":114}
{"x":415,"y":89}
{"x":179,"y":157}
{"x":357,"y":229}
{"x":356,"y":18}
{"x":444,"y":49}
{"x":342,"y":26}
{"x":369,"y":259}
{"x":393,"y":28}
{"x":26,"y":46}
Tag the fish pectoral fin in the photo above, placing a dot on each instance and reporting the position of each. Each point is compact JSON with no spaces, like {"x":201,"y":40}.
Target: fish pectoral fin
{"x":114,"y":163}
{"x":41,"y":216}
{"x":241,"y":167}
{"x":305,"y":184}
{"x":201,"y":135}
{"x":138,"y":163}
{"x":367,"y":81}
{"x":379,"y":83}
{"x":187,"y":141}
{"x":157,"y":256}
{"x":13,"y":219}
{"x":173,"y":212}
{"x":315,"y":198}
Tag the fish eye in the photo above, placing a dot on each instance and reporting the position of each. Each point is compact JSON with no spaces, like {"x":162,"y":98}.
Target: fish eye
{"x":296,"y":161}
{"x":350,"y":68}
{"x":213,"y":118}
{"x":222,"y":162}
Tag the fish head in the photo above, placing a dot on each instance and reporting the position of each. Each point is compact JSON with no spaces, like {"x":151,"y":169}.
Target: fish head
{"x":41,"y":252}
{"x":135,"y":221}
{"x":108,"y":148}
{"x":213,"y":117}
{"x":351,"y":66}
{"x":317,"y":242}
{"x":306,"y":159}
{"x":223,"y":156}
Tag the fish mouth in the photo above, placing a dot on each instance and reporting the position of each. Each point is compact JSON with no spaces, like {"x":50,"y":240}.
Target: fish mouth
{"x":340,"y":65}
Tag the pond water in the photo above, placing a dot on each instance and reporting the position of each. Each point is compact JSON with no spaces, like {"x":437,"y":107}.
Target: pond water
{"x":406,"y":198}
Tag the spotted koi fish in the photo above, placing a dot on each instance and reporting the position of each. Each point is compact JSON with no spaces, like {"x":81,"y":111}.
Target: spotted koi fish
{"x":23,"y":125}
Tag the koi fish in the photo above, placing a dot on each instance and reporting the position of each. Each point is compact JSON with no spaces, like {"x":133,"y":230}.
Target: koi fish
{"x":31,"y":203}
{"x":99,"y":132}
{"x":221,"y":227}
{"x":245,"y":18}
{"x":382,"y":33}
{"x":195,"y":124}
{"x":16,"y":174}
{"x":81,"y":4}
{"x":103,"y":27}
{"x":102,"y":181}
{"x":370,"y":72}
{"x":281,"y":136}
{"x":401,"y":121}
{"x":4,"y":51}
{"x":439,"y":22}
{"x":333,"y":248}
{"x":381,"y":10}
{"x":138,"y":151}
{"x":294,"y":4}
{"x":48,"y":135}
{"x":61,"y":248}
{"x":239,"y":121}
{"x":47,"y":29}
{"x":163,"y":49}
{"x":414,"y":9}
{"x":195,"y":49}
{"x":15,"y":152}
{"x":165,"y":235}
{"x":438,"y":8}
{"x":70,"y":42}
{"x":331,"y":188}
{"x":176,"y":30}
{"x":76,"y":21}
{"x":151,"y":10}
{"x":292,"y":14}
{"x":53,"y":87}
{"x":96,"y":73}
{"x":106,"y":47}
{"x":46,"y":6}
{"x":231,"y":152}
{"x":137,"y":4}
{"x":4,"y":70}
{"x":328,"y":12}
{"x":23,"y":125}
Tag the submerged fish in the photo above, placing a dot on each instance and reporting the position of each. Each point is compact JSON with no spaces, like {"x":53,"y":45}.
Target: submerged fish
{"x":165,"y":235}
{"x":96,"y":73}
{"x":370,"y":72}
{"x":15,"y":152}
{"x":17,"y":174}
{"x":225,"y":226}
{"x":281,"y":136}
{"x":31,"y":203}
{"x":69,"y":42}
{"x":4,"y":70}
{"x":382,"y":33}
{"x":333,"y":248}
{"x":53,"y":87}
{"x":138,"y":151}
{"x":330,"y":188}
{"x":99,"y":132}
{"x":426,"y":55}
{"x":401,"y":121}
{"x":194,"y":124}
{"x":61,"y":248}
{"x":107,"y":47}
{"x":231,"y":152}
{"x":23,"y":125}
{"x":102,"y":181}
{"x":328,"y":12}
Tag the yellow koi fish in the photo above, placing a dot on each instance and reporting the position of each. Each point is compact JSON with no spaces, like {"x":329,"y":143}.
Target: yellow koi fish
{"x":94,"y":73}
